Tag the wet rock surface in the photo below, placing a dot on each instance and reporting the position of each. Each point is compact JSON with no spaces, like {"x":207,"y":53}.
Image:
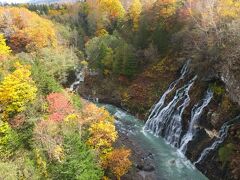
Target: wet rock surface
{"x":143,"y":167}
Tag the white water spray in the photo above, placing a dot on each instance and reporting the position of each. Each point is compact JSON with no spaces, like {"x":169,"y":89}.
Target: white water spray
{"x":195,"y":117}
{"x":166,"y":119}
{"x":79,"y":78}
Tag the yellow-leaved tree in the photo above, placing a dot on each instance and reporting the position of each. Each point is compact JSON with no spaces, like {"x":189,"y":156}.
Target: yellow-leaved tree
{"x":228,"y":8}
{"x":4,"y":49}
{"x":17,"y":90}
{"x":134,"y":12}
{"x":26,"y":30}
{"x":102,"y":135}
{"x":102,"y":129}
{"x":167,"y":7}
{"x":113,"y":8}
{"x":117,"y":161}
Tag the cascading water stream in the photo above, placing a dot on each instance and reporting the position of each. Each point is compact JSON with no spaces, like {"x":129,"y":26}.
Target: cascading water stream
{"x":79,"y":78}
{"x":173,"y":131}
{"x":157,"y":107}
{"x":195,"y":117}
{"x":167,"y":120}
{"x":219,"y":140}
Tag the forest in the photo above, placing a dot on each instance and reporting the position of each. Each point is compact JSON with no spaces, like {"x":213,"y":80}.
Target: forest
{"x":129,"y":51}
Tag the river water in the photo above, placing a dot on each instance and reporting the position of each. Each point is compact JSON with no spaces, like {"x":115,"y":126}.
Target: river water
{"x":170,"y":163}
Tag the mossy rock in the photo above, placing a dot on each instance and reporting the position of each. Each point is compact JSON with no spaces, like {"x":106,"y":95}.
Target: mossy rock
{"x":225,"y":152}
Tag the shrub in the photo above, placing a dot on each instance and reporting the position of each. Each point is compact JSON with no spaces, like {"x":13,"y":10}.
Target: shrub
{"x":4,"y":49}
{"x":59,"y":106}
{"x":118,"y":162}
{"x":79,"y":162}
{"x":76,"y":101}
{"x":225,"y":152}
{"x":46,"y":83}
{"x":17,"y":90}
{"x":217,"y":89}
{"x":8,"y":171}
{"x":9,"y":141}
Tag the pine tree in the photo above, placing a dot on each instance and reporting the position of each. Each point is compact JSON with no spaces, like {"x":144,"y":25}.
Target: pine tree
{"x":79,"y":162}
{"x":124,"y":60}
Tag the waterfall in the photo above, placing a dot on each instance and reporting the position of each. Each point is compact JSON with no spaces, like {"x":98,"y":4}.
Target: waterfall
{"x":158,"y":106}
{"x":79,"y":78}
{"x":223,"y":132}
{"x":195,"y":117}
{"x":174,"y":127}
{"x":166,"y":120}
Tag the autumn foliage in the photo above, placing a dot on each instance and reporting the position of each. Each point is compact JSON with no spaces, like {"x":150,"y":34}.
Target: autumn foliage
{"x":4,"y":49}
{"x":17,"y":90}
{"x":91,"y":113}
{"x":113,"y":8}
{"x":134,"y":12}
{"x":49,"y":127}
{"x":118,"y":162}
{"x":102,"y":132}
{"x":59,"y":106}
{"x":26,"y":30}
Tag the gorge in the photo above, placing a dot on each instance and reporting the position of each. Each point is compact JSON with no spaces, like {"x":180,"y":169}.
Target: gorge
{"x":166,"y":120}
{"x":119,"y":89}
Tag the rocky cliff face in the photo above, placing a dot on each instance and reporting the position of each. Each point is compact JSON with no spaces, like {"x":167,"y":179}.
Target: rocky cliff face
{"x":230,"y":75}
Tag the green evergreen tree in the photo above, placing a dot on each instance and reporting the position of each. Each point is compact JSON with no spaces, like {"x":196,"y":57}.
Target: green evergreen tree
{"x":124,"y":60}
{"x":129,"y":62}
{"x":79,"y":162}
{"x":102,"y":54}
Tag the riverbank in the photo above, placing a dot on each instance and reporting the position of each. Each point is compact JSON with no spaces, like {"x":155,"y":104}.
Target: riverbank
{"x":143,"y":163}
{"x":152,"y":157}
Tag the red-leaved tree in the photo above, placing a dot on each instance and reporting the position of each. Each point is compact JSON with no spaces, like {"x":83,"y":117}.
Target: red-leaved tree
{"x":59,"y":106}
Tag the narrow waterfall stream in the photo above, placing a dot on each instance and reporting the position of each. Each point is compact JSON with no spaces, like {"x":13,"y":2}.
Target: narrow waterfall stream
{"x":223,"y":132}
{"x":79,"y":73}
{"x":170,"y":164}
{"x":195,"y":116}
{"x":160,"y":103}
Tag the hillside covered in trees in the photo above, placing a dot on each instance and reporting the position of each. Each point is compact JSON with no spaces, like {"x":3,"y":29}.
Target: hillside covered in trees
{"x":128,"y":52}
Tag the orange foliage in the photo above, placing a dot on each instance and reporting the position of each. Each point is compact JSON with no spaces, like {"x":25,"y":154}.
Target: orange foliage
{"x":102,"y":131}
{"x":26,"y":30}
{"x":118,"y":162}
{"x":91,"y":113}
{"x":19,"y":41}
